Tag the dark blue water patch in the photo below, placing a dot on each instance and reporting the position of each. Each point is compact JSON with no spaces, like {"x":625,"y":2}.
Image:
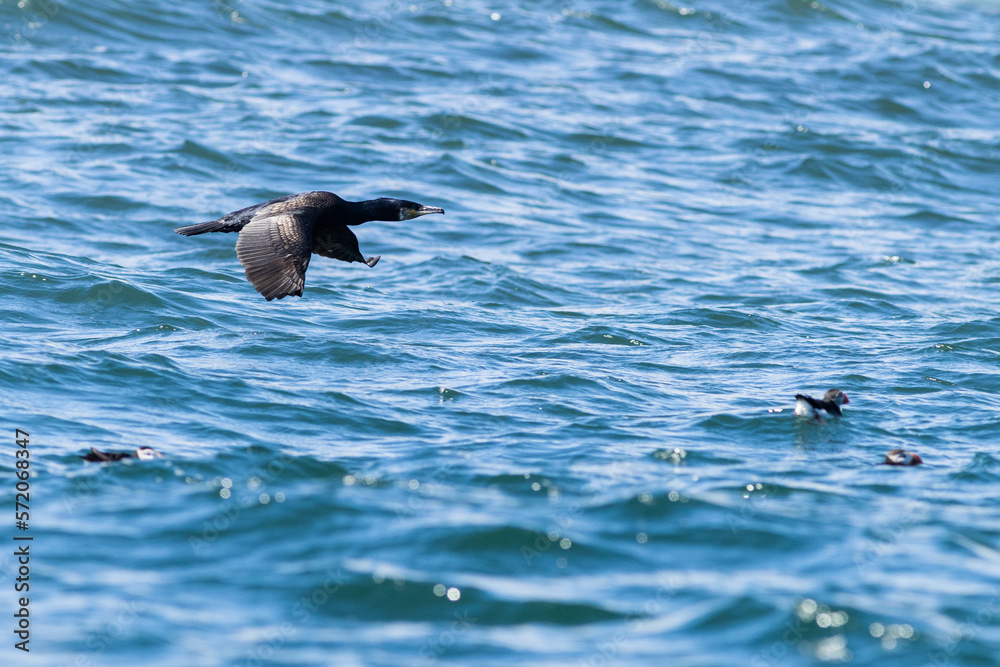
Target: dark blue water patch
{"x":894,"y":108}
{"x":106,"y":295}
{"x":400,"y":601}
{"x":438,"y":21}
{"x":977,"y":332}
{"x":599,"y":335}
{"x":863,"y":302}
{"x":107,"y":204}
{"x":680,"y":456}
{"x":841,"y":171}
{"x":465,"y":176}
{"x":95,"y":69}
{"x":719,"y":319}
{"x":203,"y":154}
{"x":377,"y":121}
{"x":468,"y":126}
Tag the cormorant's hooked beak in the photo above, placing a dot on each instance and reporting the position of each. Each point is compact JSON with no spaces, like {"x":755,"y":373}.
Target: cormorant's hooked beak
{"x":424,"y":210}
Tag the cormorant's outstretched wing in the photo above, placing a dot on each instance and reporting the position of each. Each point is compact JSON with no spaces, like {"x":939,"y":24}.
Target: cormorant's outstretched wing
{"x":275,"y":249}
{"x":339,"y":242}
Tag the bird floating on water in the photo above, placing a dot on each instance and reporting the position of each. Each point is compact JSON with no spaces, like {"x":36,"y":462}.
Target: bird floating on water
{"x":901,"y":457}
{"x":143,"y":454}
{"x":807,"y":406}
{"x":277,"y":238}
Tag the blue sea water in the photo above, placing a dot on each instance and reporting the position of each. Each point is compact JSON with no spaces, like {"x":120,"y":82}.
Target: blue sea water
{"x":553,"y":426}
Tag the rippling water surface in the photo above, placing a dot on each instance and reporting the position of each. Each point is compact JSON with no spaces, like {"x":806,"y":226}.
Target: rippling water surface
{"x":552,"y":427}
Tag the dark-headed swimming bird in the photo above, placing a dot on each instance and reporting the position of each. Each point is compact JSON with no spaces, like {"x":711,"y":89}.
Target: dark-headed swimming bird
{"x":278,"y":237}
{"x":143,"y":454}
{"x":807,"y":406}
{"x":901,"y":457}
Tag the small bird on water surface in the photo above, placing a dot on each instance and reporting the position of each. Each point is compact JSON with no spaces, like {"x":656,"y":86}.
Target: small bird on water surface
{"x":143,"y":454}
{"x":901,"y":457}
{"x":277,"y":238}
{"x":807,"y":406}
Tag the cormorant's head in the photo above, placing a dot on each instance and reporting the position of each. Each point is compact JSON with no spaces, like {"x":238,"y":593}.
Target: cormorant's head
{"x":401,"y":209}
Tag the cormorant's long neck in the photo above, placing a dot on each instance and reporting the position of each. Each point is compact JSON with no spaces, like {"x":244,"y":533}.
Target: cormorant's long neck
{"x":357,"y":212}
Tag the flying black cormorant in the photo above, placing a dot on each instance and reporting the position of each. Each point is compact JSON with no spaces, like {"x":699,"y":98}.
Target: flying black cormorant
{"x":277,"y":238}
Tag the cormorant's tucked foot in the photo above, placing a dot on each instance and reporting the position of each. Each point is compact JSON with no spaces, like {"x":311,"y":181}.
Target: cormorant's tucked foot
{"x":278,"y":238}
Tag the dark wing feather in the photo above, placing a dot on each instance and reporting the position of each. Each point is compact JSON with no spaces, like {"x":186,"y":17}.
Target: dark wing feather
{"x":339,"y":242}
{"x":275,"y":249}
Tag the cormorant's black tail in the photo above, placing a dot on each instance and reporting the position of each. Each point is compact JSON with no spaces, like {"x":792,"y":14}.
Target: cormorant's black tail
{"x":204,"y":227}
